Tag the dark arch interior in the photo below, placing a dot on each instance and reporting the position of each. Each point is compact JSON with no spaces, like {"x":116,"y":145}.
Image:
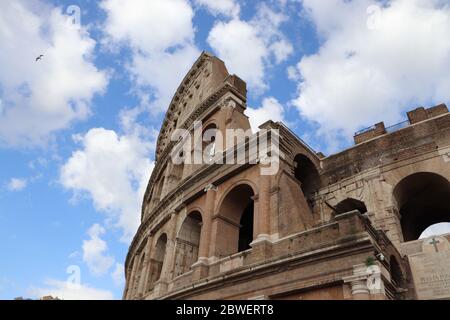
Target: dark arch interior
{"x":350,"y":204}
{"x":306,"y":172}
{"x":246,"y":228}
{"x":423,"y":199}
{"x":396,"y":272}
{"x":235,"y":229}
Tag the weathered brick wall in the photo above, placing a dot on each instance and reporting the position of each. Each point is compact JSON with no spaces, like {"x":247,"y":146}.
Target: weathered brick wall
{"x":399,"y":145}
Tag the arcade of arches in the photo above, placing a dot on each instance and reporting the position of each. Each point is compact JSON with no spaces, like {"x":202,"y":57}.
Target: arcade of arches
{"x":308,"y":231}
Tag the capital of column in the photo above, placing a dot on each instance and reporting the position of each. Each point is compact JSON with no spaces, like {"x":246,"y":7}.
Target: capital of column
{"x":359,"y":287}
{"x":210,"y":187}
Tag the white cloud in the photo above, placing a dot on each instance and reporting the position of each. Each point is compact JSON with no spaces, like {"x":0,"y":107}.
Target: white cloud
{"x":374,"y":62}
{"x":17,"y":184}
{"x":228,"y":8}
{"x":114,"y":171}
{"x":250,"y":47}
{"x":94,"y":251}
{"x":271,"y":109}
{"x":66,"y":291}
{"x":160,"y":34}
{"x":41,"y":97}
{"x":118,"y":275}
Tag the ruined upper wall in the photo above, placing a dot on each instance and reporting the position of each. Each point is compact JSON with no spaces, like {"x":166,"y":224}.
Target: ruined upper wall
{"x":207,"y":75}
{"x":429,"y":130}
{"x":414,"y":116}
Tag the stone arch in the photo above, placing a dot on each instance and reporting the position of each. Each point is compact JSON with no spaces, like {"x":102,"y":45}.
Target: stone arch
{"x":187,"y":243}
{"x":422,"y":199}
{"x":306,"y":172}
{"x":159,"y":185}
{"x":351,"y":204}
{"x":235,"y":220}
{"x":140,"y":272}
{"x":157,"y":259}
{"x":396,"y":272}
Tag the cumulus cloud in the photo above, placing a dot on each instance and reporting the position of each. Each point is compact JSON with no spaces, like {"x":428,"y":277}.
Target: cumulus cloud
{"x":228,"y":8}
{"x":41,"y":97}
{"x":160,"y":35}
{"x":17,"y":184}
{"x":66,"y":291}
{"x":374,"y":62}
{"x":250,"y":47}
{"x":94,"y":250}
{"x":113,"y":170}
{"x":271,"y":109}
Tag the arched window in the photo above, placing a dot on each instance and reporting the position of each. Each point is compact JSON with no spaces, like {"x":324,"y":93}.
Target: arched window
{"x":139,"y":274}
{"x":306,"y":173}
{"x":423,"y":199}
{"x":209,"y":142}
{"x":350,"y":204}
{"x":235,"y":224}
{"x":436,"y":230}
{"x":187,"y":243}
{"x":157,"y":261}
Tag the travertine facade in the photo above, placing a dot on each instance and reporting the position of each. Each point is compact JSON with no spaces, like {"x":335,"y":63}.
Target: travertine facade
{"x":320,"y":228}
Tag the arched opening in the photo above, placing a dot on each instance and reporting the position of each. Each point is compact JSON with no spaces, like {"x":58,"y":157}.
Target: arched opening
{"x":436,"y":230}
{"x":396,"y":272}
{"x":350,"y":204}
{"x":236,"y":219}
{"x":209,"y":143}
{"x":140,"y":273}
{"x":187,"y":243}
{"x":157,"y":261}
{"x":306,"y":172}
{"x":423,"y":199}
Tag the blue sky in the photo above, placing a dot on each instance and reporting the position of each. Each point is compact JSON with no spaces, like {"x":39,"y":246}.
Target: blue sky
{"x":78,"y":127}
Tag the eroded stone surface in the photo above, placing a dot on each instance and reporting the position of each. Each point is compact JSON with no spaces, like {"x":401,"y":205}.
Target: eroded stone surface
{"x":313,"y":230}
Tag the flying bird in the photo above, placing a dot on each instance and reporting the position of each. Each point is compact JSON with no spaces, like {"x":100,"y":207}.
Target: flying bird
{"x":40,"y":57}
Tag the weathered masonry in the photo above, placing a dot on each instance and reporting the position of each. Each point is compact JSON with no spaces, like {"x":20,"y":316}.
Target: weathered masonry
{"x":338,"y":227}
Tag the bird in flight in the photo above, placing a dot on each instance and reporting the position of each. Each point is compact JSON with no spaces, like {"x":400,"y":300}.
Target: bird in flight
{"x":40,"y":57}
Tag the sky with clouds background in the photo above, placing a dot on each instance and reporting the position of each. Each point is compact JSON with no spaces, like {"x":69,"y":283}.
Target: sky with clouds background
{"x":78,"y":127}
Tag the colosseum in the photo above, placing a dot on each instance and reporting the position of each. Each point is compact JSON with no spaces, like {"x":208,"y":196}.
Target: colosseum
{"x":344,"y":226}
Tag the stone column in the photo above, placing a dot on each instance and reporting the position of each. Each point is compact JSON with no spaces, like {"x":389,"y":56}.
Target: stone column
{"x":205,"y":237}
{"x":132,"y":287}
{"x":359,"y":289}
{"x":143,"y":285}
{"x":161,"y":286}
{"x":362,"y":277}
{"x":262,"y":244}
{"x":130,"y":280}
{"x":204,"y":250}
{"x":264,"y":208}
